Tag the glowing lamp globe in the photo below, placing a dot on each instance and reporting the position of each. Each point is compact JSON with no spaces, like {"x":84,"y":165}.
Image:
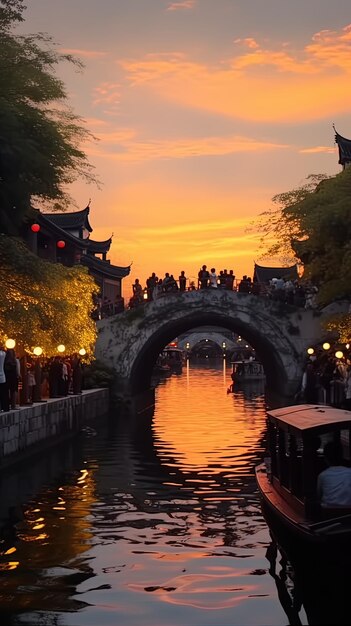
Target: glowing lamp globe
{"x":61,"y":244}
{"x":310,"y":351}
{"x":38,"y":351}
{"x":326,"y":346}
{"x":61,"y":348}
{"x":82,"y":351}
{"x":10,"y":344}
{"x":35,"y":228}
{"x":339,"y":354}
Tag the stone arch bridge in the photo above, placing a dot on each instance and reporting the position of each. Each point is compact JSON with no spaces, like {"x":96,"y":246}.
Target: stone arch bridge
{"x":130,"y":342}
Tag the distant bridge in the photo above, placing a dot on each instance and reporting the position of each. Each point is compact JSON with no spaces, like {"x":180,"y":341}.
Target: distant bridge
{"x":130,"y":342}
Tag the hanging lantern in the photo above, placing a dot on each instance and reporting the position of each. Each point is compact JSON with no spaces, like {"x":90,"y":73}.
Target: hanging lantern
{"x":35,"y":228}
{"x":61,"y":243}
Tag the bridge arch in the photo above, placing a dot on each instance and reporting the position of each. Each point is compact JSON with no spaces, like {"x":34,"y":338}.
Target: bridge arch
{"x":131,"y":342}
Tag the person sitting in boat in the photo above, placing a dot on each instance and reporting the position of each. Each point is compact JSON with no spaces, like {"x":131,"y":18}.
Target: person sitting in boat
{"x":334,"y":483}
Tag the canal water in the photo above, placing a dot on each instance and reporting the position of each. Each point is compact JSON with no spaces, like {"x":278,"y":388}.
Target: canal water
{"x":151,"y":520}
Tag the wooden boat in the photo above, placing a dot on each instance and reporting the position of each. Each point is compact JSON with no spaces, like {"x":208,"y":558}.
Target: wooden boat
{"x":173,"y":357}
{"x":287,"y":479}
{"x":247,"y":370}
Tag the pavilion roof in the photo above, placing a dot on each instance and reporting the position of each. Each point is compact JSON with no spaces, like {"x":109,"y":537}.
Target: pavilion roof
{"x":99,"y":247}
{"x":104,"y":267}
{"x":70,"y":221}
{"x":344,"y":146}
{"x":264,"y":274}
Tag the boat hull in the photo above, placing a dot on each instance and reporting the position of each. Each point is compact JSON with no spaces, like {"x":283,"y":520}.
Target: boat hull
{"x":299,"y":537}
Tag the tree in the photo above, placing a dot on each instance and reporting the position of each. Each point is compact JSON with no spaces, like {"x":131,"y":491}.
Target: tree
{"x":281,"y":225}
{"x":44,"y":304}
{"x":315,"y":222}
{"x":40,"y":136}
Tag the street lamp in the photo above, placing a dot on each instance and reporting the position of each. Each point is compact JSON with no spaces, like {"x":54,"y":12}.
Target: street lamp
{"x":38,"y":351}
{"x":339,"y":354}
{"x":326,"y":346}
{"x":310,"y":351}
{"x":61,"y":348}
{"x":82,"y":351}
{"x":10,"y":344}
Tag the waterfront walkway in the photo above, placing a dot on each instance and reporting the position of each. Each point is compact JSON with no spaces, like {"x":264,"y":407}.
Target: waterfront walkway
{"x":32,"y":427}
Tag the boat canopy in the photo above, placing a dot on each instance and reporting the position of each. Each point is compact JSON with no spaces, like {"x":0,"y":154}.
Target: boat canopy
{"x":306,"y":417}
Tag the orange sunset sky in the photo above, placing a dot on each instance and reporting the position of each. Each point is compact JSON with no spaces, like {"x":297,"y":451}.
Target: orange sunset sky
{"x":203,"y":110}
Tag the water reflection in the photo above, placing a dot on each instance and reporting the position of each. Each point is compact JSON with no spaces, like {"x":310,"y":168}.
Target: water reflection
{"x":310,"y":590}
{"x":163,"y":513}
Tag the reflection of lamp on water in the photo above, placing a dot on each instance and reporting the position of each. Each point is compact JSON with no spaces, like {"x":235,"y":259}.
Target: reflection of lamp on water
{"x":10,"y":344}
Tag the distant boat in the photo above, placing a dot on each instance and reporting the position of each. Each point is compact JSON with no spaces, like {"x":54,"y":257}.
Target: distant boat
{"x":173,"y":357}
{"x":287,"y":480}
{"x":170,"y":360}
{"x":247,"y":370}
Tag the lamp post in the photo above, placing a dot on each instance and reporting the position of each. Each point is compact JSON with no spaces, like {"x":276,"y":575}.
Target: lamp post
{"x":37,"y":351}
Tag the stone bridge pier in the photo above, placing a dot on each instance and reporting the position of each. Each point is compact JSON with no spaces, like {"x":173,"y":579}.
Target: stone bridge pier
{"x":130,"y":342}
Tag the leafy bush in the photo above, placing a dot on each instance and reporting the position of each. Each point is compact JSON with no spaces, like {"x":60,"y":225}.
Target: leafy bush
{"x":98,"y":375}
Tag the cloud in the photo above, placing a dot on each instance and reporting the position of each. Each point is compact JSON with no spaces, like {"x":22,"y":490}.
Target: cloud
{"x":178,"y":6}
{"x":125,"y":145}
{"x":248,"y":42}
{"x":84,"y":54}
{"x":108,"y":96}
{"x":257,"y":83}
{"x":318,"y":149}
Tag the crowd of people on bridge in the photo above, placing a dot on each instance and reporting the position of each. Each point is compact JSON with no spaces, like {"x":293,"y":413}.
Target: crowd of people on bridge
{"x":294,"y":292}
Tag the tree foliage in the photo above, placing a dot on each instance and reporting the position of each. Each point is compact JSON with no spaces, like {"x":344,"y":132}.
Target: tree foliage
{"x":40,"y":136}
{"x":281,"y":225}
{"x":44,"y":304}
{"x":314,"y":223}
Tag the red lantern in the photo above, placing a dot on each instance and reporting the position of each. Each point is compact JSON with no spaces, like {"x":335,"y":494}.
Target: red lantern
{"x":35,"y":228}
{"x":61,"y":244}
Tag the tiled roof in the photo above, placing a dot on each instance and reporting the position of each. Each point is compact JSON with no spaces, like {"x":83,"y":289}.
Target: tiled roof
{"x":76,"y":219}
{"x":104,"y":267}
{"x":99,"y":247}
{"x":344,"y":146}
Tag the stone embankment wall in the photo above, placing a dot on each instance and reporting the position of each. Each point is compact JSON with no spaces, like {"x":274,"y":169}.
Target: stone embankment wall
{"x":29,"y":429}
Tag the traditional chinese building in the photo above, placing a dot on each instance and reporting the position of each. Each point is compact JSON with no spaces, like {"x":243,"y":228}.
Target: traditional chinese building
{"x":344,"y":146}
{"x":66,"y":238}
